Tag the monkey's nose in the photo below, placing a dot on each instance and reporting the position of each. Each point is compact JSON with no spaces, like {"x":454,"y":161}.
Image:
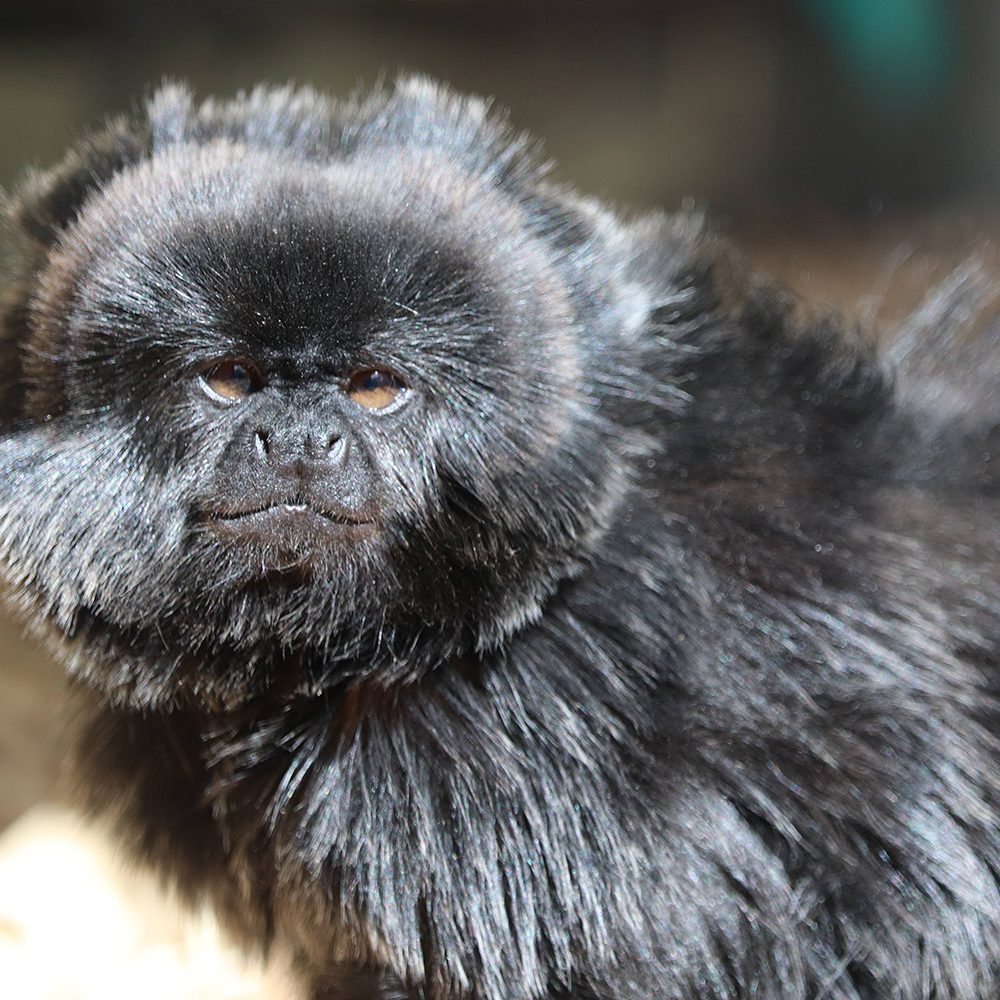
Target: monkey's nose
{"x":301,"y":454}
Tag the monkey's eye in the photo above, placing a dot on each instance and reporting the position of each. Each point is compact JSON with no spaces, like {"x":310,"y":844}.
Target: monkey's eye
{"x":375,"y":389}
{"x":232,"y":378}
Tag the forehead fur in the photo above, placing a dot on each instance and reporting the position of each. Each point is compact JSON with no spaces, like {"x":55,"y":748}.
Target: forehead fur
{"x":307,"y":241}
{"x":181,"y":189}
{"x":416,"y":165}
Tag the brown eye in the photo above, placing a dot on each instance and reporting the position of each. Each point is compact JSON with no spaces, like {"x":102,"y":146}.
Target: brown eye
{"x":232,"y":378}
{"x":375,"y":389}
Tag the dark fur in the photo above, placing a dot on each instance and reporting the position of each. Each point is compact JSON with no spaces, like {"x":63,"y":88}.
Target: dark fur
{"x":671,"y":669}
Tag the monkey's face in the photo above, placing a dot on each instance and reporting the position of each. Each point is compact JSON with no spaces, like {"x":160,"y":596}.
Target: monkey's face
{"x":335,"y":415}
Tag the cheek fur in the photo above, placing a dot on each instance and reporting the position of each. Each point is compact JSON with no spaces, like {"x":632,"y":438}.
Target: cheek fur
{"x":107,"y":530}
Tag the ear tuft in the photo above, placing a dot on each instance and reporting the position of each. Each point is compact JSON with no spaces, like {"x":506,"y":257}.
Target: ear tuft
{"x":170,"y":112}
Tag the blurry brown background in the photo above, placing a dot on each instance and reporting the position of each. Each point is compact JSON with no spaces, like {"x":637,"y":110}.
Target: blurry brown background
{"x":851,"y":145}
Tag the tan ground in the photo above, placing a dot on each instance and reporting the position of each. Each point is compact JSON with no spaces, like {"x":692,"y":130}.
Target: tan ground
{"x":76,"y":924}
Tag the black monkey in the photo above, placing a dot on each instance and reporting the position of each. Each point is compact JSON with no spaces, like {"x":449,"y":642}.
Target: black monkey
{"x":490,"y":598}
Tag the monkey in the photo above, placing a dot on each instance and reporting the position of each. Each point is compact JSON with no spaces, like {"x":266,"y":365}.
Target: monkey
{"x":484,"y":594}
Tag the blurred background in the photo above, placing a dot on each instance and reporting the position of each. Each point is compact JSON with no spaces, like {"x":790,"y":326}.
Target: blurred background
{"x":851,"y":146}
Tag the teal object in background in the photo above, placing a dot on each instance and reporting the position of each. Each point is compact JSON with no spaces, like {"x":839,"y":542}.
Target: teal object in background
{"x":901,"y":51}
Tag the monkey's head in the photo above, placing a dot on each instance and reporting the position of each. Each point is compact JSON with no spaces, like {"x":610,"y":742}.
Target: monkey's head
{"x":294,"y":392}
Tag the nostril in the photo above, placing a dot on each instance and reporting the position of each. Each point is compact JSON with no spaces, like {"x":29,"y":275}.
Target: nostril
{"x":336,"y":448}
{"x":262,"y":442}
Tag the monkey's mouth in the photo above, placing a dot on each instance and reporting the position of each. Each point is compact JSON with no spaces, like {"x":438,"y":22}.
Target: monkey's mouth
{"x":290,"y":509}
{"x":294,"y":521}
